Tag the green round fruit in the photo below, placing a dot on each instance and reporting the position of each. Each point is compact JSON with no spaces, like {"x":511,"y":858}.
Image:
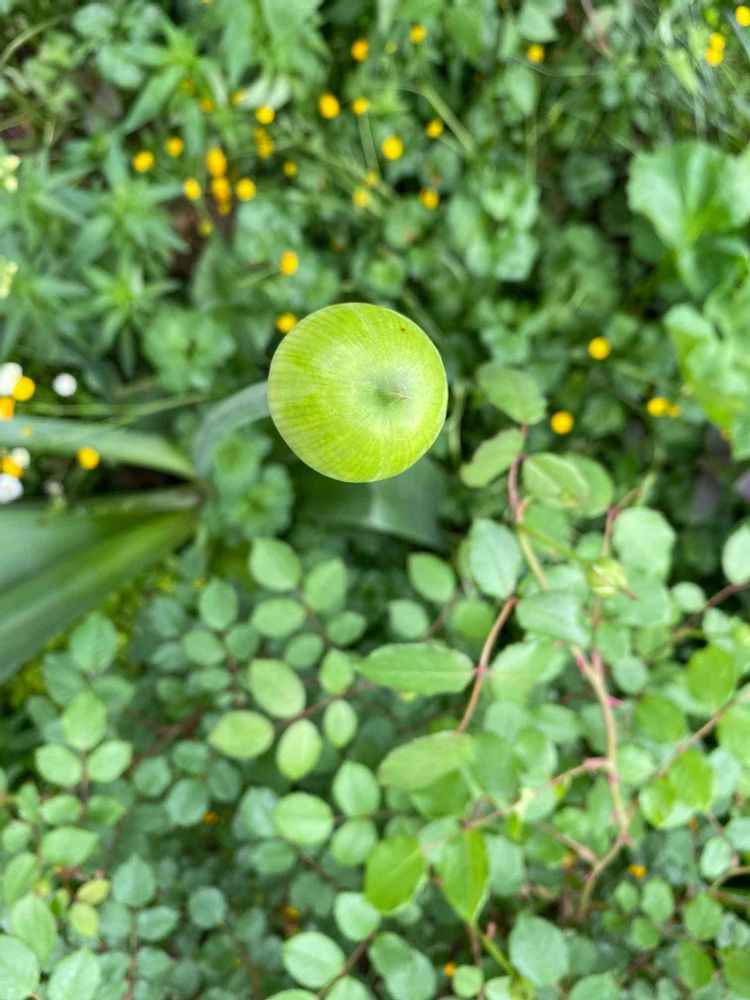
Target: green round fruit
{"x":358,"y":392}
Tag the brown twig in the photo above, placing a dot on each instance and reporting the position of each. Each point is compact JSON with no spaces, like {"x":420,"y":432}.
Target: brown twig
{"x":484,"y":660}
{"x":596,"y":26}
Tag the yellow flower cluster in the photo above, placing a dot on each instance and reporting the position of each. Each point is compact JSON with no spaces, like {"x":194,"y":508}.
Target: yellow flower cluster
{"x":535,"y":53}
{"x":360,"y":49}
{"x":329,"y":106}
{"x":88,"y":458}
{"x":429,"y":198}
{"x":15,"y":387}
{"x":434,"y":128}
{"x":599,"y":348}
{"x":264,"y":145}
{"x":417,"y":33}
{"x":393,"y":148}
{"x":288,"y":262}
{"x":360,"y":105}
{"x":286,"y":322}
{"x":742,"y":16}
{"x":660,"y":406}
{"x":562,"y":422}
{"x":221,"y":188}
{"x":715,"y":51}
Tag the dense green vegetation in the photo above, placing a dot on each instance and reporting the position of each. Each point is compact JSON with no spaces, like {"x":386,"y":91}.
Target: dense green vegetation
{"x":479,"y":730}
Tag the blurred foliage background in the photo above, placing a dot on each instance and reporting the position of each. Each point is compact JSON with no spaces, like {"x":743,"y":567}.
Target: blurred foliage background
{"x":249,"y":771}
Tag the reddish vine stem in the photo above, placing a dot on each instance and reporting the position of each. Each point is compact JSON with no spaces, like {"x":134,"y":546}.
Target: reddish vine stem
{"x":602,"y":41}
{"x":484,"y":660}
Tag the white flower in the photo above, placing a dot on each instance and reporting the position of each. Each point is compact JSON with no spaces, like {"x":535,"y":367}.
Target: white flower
{"x":10,"y":488}
{"x":10,"y":373}
{"x":65,"y":384}
{"x":53,"y":488}
{"x":21,"y":457}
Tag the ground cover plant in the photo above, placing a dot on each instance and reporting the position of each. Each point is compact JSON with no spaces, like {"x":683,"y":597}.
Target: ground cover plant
{"x":481,"y":729}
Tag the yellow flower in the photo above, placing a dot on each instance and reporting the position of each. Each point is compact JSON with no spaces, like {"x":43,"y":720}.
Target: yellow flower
{"x":371,"y":179}
{"x":717,"y":41}
{"x":429,"y":198}
{"x":10,"y":467}
{"x":237,"y":97}
{"x":360,"y":49}
{"x":535,"y":53}
{"x":599,"y":348}
{"x":714,"y":57}
{"x":657,"y":406}
{"x":187,"y":86}
{"x":288,"y":262}
{"x":205,"y":227}
{"x":449,"y":970}
{"x":360,"y":105}
{"x":7,"y":408}
{"x":263,"y":143}
{"x":562,"y":422}
{"x":221,"y":189}
{"x":742,"y":16}
{"x":245,"y":189}
{"x":329,"y":106}
{"x":207,"y":105}
{"x":174,"y":145}
{"x":216,"y":162}
{"x":286,"y":322}
{"x":417,"y":33}
{"x":224,"y":207}
{"x":265,"y":115}
{"x":24,"y":389}
{"x":674,"y":410}
{"x":434,"y":129}
{"x":192,"y":189}
{"x":143,"y":161}
{"x":88,"y":458}
{"x":393,"y":148}
{"x":211,"y":817}
{"x":637,"y":871}
{"x":289,"y":168}
{"x":361,"y":197}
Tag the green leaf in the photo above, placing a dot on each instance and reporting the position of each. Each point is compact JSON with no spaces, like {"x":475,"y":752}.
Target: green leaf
{"x":695,"y":967}
{"x":539,"y":950}
{"x":21,"y":872}
{"x":68,"y":845}
{"x":407,"y":506}
{"x":207,"y":907}
{"x":313,"y":959}
{"x":31,"y":920}
{"x":58,"y":765}
{"x":660,"y":719}
{"x":355,"y":789}
{"x":303,"y":819}
{"x":218,"y":605}
{"x":702,"y":917}
{"x":109,"y":761}
{"x":278,"y":617}
{"x":325,"y":585}
{"x":600,"y":986}
{"x":187,"y":802}
{"x":340,"y":723}
{"x":19,"y":969}
{"x":737,"y":970}
{"x":64,"y":437}
{"x":422,"y":761}
{"x":355,"y":918}
{"x":134,"y":882}
{"x":464,"y":872}
{"x":276,"y":688}
{"x":224,"y":418}
{"x":553,"y":613}
{"x":431,"y":577}
{"x":711,"y":676}
{"x":644,"y":540}
{"x":495,"y":559}
{"x":555,"y":481}
{"x":734,"y":732}
{"x":93,"y":644}
{"x":689,"y":189}
{"x":36,"y":608}
{"x":520,"y":666}
{"x":422,"y":668}
{"x":692,"y":778}
{"x":275,"y":565}
{"x":299,"y":749}
{"x":242,"y":735}
{"x":515,"y":393}
{"x":408,"y":974}
{"x":84,"y":721}
{"x":394,"y":871}
{"x":76,"y":977}
{"x":492,"y":458}
{"x":735,"y":556}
